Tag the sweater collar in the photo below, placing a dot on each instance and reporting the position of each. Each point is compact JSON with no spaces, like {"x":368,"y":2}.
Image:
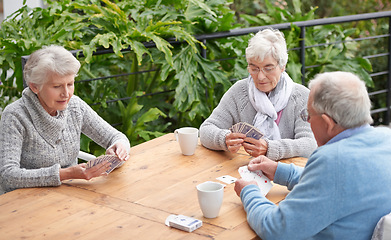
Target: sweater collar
{"x":348,"y":133}
{"x":49,"y":127}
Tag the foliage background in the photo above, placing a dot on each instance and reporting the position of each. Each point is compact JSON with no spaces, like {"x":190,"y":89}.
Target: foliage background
{"x":162,"y":85}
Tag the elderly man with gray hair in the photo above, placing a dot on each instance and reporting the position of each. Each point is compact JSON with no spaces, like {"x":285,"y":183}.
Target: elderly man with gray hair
{"x":341,"y":193}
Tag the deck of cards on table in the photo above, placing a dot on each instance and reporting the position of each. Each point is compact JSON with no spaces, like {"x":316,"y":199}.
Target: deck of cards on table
{"x":248,"y":129}
{"x":263,"y":182}
{"x":113,"y":159}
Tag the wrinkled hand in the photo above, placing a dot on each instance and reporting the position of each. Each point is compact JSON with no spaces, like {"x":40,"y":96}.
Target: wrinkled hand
{"x":81,"y":171}
{"x":234,"y":141}
{"x":266,"y":165}
{"x":240,"y":184}
{"x":255,"y":147}
{"x":120,"y":150}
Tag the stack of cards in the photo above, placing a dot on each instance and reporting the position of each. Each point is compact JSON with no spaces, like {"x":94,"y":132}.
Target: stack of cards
{"x":114,"y":160}
{"x":248,"y":129}
{"x":182,"y":222}
{"x":263,"y":182}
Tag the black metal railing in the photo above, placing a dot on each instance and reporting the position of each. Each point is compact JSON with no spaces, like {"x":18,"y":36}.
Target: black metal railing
{"x":302,"y":25}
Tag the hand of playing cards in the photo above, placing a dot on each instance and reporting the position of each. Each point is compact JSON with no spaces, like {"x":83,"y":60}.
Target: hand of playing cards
{"x":263,"y":182}
{"x":245,"y":128}
{"x":113,"y":159}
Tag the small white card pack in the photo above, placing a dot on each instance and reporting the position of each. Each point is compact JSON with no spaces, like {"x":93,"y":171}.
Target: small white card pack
{"x":182,"y":222}
{"x":263,"y":182}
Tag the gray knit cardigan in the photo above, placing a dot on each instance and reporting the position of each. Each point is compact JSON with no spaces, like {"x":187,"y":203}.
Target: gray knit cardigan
{"x":34,"y":145}
{"x":297,"y":138}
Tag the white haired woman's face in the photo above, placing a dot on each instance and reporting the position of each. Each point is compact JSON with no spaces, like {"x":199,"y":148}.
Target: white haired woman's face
{"x":265,"y":74}
{"x":54,"y":95}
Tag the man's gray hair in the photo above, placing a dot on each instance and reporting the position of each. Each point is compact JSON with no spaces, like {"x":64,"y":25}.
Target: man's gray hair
{"x":268,"y":42}
{"x":342,"y":96}
{"x":49,"y":60}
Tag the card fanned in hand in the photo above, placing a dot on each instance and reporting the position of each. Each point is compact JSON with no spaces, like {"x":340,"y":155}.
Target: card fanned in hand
{"x":248,"y":129}
{"x":113,"y":159}
{"x":263,"y":182}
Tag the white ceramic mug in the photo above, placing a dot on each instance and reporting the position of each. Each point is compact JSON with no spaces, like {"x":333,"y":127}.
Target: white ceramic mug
{"x":210,"y":197}
{"x":188,"y":139}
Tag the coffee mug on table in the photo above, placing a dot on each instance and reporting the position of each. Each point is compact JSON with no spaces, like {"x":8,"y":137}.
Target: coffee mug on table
{"x":188,"y":139}
{"x":210,"y":197}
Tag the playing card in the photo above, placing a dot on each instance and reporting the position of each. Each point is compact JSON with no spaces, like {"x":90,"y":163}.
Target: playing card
{"x":263,"y":182}
{"x":248,"y":129}
{"x":241,"y":127}
{"x":227,"y":179}
{"x":114,"y":160}
{"x":234,"y":128}
{"x":254,"y":133}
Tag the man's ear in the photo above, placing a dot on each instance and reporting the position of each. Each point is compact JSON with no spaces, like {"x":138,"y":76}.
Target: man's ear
{"x":34,"y":88}
{"x":330,"y":125}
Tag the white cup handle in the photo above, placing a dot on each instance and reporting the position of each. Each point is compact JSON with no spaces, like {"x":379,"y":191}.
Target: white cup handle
{"x":176,"y":134}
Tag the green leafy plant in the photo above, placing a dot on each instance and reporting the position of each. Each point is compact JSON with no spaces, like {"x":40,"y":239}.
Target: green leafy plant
{"x":145,"y":29}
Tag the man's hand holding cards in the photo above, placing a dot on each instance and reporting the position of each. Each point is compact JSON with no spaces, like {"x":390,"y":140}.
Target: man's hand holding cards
{"x":112,"y":159}
{"x":263,"y":182}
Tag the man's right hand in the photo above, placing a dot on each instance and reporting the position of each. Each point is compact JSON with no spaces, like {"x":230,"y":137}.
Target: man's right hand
{"x":266,"y":165}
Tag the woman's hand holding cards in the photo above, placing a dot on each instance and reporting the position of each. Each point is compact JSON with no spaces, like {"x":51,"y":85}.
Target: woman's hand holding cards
{"x":119,"y":150}
{"x":246,"y":135}
{"x":234,"y":141}
{"x":255,"y":147}
{"x":83,"y":171}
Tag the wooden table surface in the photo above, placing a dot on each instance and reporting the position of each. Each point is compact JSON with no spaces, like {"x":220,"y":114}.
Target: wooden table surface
{"x":133,"y":202}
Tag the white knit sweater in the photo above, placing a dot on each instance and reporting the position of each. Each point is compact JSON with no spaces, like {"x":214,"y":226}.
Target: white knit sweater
{"x":297,"y":138}
{"x":35,"y":145}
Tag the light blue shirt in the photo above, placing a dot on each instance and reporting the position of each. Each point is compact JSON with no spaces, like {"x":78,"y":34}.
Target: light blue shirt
{"x":340,"y":194}
{"x":348,"y":132}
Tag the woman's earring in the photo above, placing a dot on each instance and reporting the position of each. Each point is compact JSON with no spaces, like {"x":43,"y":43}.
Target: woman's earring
{"x":34,"y":88}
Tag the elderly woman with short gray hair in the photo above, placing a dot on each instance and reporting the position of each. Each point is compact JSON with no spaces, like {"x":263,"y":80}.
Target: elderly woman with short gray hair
{"x":40,"y":132}
{"x":269,"y":100}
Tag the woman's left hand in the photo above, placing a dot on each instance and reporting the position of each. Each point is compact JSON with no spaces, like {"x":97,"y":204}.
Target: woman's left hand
{"x":120,"y":150}
{"x":255,"y":147}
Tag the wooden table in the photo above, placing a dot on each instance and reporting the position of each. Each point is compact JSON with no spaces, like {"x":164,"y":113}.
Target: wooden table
{"x":133,"y":202}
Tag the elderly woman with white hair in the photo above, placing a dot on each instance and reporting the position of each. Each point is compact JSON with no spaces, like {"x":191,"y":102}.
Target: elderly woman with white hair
{"x":40,"y":132}
{"x":269,"y":100}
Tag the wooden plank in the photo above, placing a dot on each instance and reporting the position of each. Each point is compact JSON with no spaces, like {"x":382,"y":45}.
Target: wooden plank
{"x":242,"y":231}
{"x":30,"y":217}
{"x":66,"y":217}
{"x":148,"y":172}
{"x":152,"y":214}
